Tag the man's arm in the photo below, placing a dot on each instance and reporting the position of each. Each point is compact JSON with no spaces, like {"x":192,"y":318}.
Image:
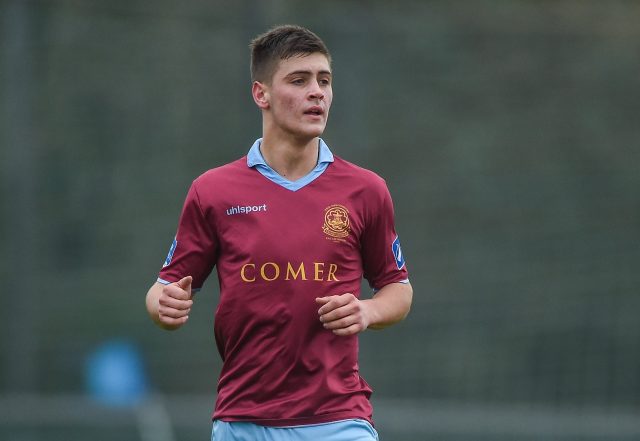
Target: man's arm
{"x":169,"y":305}
{"x":347,"y":315}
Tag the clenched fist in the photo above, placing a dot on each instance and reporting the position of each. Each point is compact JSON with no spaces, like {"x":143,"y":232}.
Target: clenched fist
{"x":169,"y":305}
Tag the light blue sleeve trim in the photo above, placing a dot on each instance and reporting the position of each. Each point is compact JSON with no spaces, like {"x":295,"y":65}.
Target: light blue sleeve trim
{"x":404,"y":282}
{"x":166,"y":282}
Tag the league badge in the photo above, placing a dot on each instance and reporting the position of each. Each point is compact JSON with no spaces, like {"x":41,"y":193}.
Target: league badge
{"x":172,"y":250}
{"x":397,"y":253}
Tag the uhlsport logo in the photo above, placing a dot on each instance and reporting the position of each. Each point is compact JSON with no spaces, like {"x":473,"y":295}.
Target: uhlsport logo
{"x":336,"y":222}
{"x":246,"y":209}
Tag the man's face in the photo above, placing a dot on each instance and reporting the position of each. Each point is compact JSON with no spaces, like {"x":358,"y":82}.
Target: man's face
{"x":300,"y":95}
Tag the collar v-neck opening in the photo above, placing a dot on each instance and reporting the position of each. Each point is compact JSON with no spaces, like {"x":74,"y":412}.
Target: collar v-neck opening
{"x":257,"y":161}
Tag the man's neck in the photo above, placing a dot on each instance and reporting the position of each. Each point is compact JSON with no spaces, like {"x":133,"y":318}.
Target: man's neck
{"x":292,"y":159}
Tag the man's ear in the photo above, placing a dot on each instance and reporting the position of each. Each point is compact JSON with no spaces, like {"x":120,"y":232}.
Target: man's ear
{"x":260,"y":93}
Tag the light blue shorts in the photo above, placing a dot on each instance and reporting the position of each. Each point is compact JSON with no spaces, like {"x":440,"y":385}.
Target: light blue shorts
{"x":347,"y":430}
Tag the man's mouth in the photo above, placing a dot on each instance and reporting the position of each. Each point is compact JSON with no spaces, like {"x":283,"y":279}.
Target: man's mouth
{"x":316,"y":110}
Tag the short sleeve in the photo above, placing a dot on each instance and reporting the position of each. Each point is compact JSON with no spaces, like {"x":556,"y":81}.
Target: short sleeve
{"x":382,"y":257}
{"x":194,"y":249}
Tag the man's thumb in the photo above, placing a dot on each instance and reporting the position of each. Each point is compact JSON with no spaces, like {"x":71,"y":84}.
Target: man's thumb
{"x":185,"y":283}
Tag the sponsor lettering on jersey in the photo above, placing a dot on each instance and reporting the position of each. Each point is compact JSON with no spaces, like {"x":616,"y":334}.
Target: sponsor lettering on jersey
{"x":336,"y":222}
{"x":246,"y":209}
{"x":397,"y":253}
{"x":172,"y":250}
{"x":270,"y":271}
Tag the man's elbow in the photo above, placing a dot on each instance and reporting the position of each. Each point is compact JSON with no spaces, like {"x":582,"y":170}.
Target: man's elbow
{"x":407,"y":297}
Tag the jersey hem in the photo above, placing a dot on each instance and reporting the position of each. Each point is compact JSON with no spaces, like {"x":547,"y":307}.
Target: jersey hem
{"x":295,"y":422}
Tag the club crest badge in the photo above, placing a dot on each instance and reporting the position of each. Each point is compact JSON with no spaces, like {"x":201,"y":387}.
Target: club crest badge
{"x":336,"y":222}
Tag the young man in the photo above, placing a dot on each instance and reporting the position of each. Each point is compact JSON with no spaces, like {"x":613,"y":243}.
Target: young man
{"x":291,"y":229}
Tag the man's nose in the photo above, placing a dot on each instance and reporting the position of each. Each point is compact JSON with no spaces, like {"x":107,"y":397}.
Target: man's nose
{"x":316,"y":91}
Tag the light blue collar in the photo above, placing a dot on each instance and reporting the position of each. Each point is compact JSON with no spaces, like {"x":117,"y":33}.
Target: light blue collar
{"x":255,"y":159}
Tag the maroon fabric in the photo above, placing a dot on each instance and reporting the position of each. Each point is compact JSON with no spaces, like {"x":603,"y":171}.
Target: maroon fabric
{"x":280,"y":366}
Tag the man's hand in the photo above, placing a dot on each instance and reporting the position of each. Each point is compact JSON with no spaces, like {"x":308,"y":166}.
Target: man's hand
{"x":347,"y":315}
{"x":174,"y":304}
{"x":343,"y":314}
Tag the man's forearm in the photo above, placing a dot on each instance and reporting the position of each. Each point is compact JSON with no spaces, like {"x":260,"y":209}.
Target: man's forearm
{"x":152,"y":302}
{"x":390,"y":305}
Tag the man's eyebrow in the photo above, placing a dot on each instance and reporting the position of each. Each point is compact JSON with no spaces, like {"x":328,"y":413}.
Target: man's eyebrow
{"x":308,"y":72}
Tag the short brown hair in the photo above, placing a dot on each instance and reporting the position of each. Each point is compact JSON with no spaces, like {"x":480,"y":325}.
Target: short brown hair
{"x":281,"y":43}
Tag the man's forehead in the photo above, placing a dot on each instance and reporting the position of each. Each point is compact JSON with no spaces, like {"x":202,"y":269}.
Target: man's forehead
{"x":311,"y":63}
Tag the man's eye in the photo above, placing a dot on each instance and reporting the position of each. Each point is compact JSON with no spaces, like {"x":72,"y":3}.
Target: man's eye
{"x":297,"y":81}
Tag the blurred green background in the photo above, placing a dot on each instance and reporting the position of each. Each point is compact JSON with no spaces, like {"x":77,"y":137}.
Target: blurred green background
{"x":507,"y":132}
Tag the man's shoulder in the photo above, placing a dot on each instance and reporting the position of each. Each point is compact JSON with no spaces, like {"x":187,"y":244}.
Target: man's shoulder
{"x":353,"y":172}
{"x":223,"y":172}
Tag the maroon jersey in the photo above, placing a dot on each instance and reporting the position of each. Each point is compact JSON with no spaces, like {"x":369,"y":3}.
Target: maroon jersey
{"x":276,"y":250}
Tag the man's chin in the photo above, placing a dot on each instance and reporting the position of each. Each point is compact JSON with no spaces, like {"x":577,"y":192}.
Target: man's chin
{"x":308,"y":131}
{"x":316,"y":131}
